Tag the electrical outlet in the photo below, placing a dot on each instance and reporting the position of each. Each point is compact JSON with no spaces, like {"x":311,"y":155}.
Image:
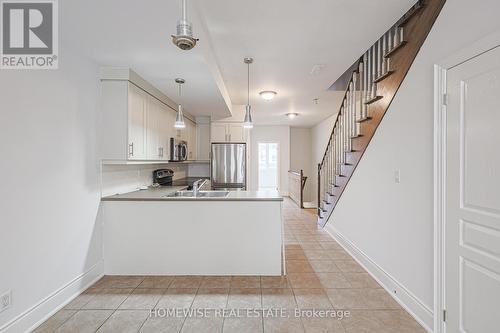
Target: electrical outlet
{"x":5,"y":300}
{"x":397,"y":176}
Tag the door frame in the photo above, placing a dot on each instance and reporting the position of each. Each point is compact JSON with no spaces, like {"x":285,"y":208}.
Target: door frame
{"x":440,"y":84}
{"x":278,"y":163}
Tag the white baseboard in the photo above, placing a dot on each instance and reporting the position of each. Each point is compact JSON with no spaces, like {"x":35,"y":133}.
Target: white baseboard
{"x":33,"y":317}
{"x":412,"y":304}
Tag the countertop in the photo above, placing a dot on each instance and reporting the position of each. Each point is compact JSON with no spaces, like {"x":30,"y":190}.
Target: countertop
{"x":159,"y":194}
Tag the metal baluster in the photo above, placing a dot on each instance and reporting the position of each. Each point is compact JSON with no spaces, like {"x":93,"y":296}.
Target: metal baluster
{"x":384,"y":50}
{"x":396,"y":37}
{"x":354,"y":108}
{"x":390,"y":39}
{"x":401,"y":35}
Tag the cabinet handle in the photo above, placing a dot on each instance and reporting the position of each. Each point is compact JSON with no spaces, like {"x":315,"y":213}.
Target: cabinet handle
{"x":131,"y":149}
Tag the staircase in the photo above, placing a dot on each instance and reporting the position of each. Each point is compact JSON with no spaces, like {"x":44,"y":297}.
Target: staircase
{"x":373,"y":84}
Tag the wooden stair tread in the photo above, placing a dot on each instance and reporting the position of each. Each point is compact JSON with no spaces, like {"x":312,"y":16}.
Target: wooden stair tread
{"x":381,"y":77}
{"x":395,"y":49}
{"x":373,"y":100}
{"x":361,"y":120}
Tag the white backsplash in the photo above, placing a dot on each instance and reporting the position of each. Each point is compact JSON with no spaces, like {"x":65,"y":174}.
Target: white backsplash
{"x":199,"y":170}
{"x":127,"y":178}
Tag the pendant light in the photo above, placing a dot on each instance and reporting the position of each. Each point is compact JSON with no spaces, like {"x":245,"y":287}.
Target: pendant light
{"x":248,"y":123}
{"x":179,"y":120}
{"x":184,"y":38}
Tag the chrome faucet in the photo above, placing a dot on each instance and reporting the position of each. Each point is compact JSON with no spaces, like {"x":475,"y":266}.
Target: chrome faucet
{"x":196,"y":187}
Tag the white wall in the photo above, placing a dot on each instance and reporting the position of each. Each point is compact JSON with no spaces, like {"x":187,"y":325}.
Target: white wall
{"x":49,"y":196}
{"x":280,"y":134}
{"x":301,"y":156}
{"x":393,"y":223}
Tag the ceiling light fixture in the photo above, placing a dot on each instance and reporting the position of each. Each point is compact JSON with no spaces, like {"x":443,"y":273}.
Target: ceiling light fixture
{"x":292,"y":115}
{"x":179,"y":120}
{"x":248,"y":123}
{"x":184,"y":38}
{"x":268,"y":94}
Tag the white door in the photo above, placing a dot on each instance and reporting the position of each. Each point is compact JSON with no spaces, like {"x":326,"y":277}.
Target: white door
{"x":472,"y":230}
{"x":268,"y":166}
{"x":218,"y":133}
{"x":137,"y":100}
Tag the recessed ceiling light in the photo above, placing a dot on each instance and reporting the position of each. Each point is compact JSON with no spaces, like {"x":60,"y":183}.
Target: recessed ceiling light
{"x":292,"y":115}
{"x":268,"y":94}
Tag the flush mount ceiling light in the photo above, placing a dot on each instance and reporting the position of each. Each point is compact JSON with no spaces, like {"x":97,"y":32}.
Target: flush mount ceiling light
{"x":184,"y":38}
{"x":268,"y":94}
{"x":179,"y":120}
{"x":292,"y":115}
{"x":248,"y":123}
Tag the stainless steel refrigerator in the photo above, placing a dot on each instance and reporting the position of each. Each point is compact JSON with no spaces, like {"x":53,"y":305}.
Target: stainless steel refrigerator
{"x":228,"y":167}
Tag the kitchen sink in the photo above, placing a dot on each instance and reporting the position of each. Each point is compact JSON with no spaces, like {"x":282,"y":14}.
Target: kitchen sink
{"x":200,"y":194}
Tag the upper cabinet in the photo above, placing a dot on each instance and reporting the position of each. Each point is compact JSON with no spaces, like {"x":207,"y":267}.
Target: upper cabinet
{"x":228,"y":132}
{"x":136,"y":125}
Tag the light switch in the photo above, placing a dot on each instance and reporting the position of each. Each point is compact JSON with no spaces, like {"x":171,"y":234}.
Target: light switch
{"x":397,"y":176}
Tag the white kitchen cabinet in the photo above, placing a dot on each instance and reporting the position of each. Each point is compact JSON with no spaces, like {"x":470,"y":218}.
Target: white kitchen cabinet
{"x":191,"y":140}
{"x":157,"y":130}
{"x":137,"y":123}
{"x":228,"y":132}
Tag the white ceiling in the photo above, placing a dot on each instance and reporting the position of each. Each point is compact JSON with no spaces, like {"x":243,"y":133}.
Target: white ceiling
{"x":285,"y":37}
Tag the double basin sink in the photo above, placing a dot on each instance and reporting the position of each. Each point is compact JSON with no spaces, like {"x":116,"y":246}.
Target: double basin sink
{"x":199,"y":194}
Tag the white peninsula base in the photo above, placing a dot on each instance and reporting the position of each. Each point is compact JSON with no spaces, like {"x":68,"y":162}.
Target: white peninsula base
{"x":192,"y":237}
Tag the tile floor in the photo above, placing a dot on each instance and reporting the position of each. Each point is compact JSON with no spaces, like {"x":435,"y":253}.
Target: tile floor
{"x":321,"y":275}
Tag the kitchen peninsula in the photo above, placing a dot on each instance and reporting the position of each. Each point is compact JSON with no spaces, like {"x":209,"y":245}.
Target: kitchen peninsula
{"x":152,"y":232}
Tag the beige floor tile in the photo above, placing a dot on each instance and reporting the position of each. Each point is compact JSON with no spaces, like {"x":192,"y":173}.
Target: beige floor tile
{"x":161,"y":282}
{"x":344,"y":299}
{"x":202,"y":325}
{"x":81,"y":300}
{"x":322,"y":325}
{"x":55,"y":321}
{"x":283,"y":325}
{"x":211,"y":298}
{"x":115,"y":281}
{"x":275,"y":298}
{"x":361,"y":280}
{"x":108,"y":299}
{"x":331,"y":245}
{"x":162,"y":324}
{"x":379,"y":299}
{"x":349,"y":266}
{"x":243,"y":325}
{"x":186,"y":282}
{"x":312,"y":299}
{"x":216,"y":282}
{"x":333,"y":280}
{"x":295,"y":255}
{"x":177,"y":298}
{"x":142,"y":299}
{"x":245,"y":282}
{"x":317,"y":254}
{"x":274,"y":282}
{"x":124,"y":321}
{"x":338,"y":255}
{"x":298,"y":266}
{"x":244,"y":298}
{"x":85,"y":321}
{"x":323,"y":266}
{"x":305,"y":280}
{"x":380,"y":321}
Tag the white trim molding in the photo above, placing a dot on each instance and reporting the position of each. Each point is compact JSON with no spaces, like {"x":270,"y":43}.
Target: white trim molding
{"x":411,"y":303}
{"x":40,"y":312}
{"x":440,"y":101}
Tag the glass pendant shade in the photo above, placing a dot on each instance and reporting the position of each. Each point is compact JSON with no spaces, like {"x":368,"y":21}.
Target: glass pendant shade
{"x":179,"y":120}
{"x":248,"y":117}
